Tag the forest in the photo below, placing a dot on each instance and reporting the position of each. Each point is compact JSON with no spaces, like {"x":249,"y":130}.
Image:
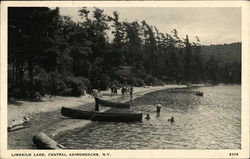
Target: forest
{"x":51,"y":54}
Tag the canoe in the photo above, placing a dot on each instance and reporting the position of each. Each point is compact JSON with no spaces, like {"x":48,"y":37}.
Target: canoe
{"x":111,"y":104}
{"x":98,"y":116}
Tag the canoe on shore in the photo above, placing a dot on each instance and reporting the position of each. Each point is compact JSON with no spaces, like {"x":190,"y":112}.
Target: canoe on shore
{"x":98,"y":116}
{"x":111,"y":104}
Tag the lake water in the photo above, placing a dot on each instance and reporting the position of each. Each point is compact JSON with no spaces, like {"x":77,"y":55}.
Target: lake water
{"x":209,"y":122}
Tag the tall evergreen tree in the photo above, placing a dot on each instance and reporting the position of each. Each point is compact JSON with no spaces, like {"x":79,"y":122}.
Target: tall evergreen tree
{"x":49,"y":53}
{"x":134,"y":46}
{"x":150,"y":49}
{"x":187,"y":60}
{"x":35,"y":39}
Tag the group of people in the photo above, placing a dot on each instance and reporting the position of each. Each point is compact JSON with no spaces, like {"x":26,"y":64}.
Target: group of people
{"x":158,"y":111}
{"x":129,"y":90}
{"x":113,"y":89}
{"x":125,"y":90}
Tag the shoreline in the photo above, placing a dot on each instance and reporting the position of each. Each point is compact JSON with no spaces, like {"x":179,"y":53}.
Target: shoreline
{"x":50,"y":121}
{"x":18,"y":109}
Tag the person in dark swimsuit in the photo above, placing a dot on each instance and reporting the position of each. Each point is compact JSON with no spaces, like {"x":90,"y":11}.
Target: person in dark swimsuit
{"x":171,"y":120}
{"x":147,"y":117}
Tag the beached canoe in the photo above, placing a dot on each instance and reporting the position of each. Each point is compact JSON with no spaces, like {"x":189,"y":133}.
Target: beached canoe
{"x":98,"y":116}
{"x":111,"y":104}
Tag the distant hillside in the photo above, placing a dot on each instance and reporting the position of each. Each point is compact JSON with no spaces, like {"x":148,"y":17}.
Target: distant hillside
{"x":226,"y":52}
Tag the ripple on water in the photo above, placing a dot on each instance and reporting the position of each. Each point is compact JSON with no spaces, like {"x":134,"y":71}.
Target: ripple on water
{"x":209,"y":122}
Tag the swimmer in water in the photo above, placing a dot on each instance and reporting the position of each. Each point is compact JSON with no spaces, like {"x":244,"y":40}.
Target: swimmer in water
{"x":171,"y":120}
{"x":147,"y":117}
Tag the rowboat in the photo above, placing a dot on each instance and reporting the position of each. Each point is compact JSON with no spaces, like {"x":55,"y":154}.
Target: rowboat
{"x":111,"y":104}
{"x":98,"y":116}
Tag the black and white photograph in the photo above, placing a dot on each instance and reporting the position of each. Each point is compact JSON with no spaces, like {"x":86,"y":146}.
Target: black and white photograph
{"x":124,"y":78}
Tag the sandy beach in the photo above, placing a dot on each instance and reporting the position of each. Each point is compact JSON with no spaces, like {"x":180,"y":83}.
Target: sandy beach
{"x":45,"y":115}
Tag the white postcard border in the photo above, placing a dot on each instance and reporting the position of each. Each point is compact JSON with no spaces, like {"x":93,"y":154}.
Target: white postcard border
{"x":243,"y":153}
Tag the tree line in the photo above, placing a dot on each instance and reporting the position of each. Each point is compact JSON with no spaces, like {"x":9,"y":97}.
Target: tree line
{"x":51,"y":54}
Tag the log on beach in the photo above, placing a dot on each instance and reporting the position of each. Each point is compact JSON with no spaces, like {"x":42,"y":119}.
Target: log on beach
{"x":18,"y":127}
{"x":42,"y":141}
{"x":19,"y":124}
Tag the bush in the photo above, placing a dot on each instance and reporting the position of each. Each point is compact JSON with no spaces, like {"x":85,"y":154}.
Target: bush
{"x":55,"y":84}
{"x":66,"y":85}
{"x":158,"y":82}
{"x":40,"y":81}
{"x":136,"y":82}
{"x":77,"y":85}
{"x":117,"y":83}
{"x":21,"y":89}
{"x":104,"y":82}
{"x":148,"y":79}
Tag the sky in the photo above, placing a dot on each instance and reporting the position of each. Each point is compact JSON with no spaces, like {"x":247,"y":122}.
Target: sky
{"x":215,"y":25}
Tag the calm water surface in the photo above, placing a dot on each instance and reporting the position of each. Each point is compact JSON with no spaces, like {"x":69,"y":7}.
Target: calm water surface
{"x":209,"y":122}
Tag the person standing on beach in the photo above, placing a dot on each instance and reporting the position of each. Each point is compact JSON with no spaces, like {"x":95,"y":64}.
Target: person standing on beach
{"x":96,"y":93}
{"x":123,"y":91}
{"x":131,"y":92}
{"x":115,"y":89}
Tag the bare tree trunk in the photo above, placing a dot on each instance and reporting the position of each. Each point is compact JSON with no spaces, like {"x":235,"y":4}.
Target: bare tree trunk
{"x":14,"y":74}
{"x":31,"y":76}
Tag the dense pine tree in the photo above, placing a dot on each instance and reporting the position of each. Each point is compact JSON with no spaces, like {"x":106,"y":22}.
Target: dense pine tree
{"x":51,"y":54}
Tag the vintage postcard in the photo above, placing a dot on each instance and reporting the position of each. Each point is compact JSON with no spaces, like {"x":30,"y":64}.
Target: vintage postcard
{"x":125,"y":79}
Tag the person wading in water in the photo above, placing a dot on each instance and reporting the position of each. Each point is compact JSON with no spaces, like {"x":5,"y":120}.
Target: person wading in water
{"x":158,"y":109}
